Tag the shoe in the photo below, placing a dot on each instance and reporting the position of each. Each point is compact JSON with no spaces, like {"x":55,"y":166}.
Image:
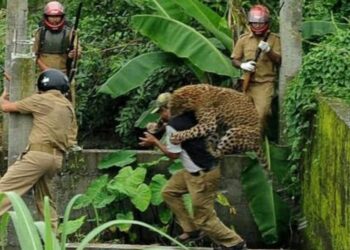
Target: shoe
{"x":240,"y":246}
{"x":187,"y":237}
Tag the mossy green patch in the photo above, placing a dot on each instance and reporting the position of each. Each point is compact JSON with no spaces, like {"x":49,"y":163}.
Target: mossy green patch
{"x":326,"y":185}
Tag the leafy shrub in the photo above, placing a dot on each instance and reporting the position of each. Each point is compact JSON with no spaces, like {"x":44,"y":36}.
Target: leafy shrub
{"x":325,"y":71}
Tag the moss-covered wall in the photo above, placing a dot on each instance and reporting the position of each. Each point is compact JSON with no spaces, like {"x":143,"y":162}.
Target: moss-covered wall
{"x":326,"y":180}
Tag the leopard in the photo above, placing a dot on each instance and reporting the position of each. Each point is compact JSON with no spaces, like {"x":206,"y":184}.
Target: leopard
{"x":216,"y":107}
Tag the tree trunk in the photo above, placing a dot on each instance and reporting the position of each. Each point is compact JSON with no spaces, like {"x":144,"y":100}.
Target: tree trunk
{"x":291,"y":40}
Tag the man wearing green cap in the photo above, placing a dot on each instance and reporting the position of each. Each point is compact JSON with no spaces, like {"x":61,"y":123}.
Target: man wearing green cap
{"x":200,"y":178}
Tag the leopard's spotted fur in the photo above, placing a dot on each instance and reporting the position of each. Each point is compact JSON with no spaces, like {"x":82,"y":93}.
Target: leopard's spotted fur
{"x":219,"y":106}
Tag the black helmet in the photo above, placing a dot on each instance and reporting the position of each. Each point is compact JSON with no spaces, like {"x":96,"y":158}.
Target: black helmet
{"x":53,"y":79}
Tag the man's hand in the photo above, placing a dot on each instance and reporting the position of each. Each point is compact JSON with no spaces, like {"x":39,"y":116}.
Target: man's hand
{"x":148,"y":140}
{"x":73,"y":54}
{"x":264,"y":46}
{"x":248,"y":66}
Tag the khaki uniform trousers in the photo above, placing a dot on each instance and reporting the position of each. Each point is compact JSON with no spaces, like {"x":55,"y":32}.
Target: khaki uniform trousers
{"x":202,"y":189}
{"x":34,"y":169}
{"x":262,"y":94}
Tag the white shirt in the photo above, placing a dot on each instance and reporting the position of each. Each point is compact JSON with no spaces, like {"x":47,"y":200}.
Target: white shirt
{"x":187,"y":162}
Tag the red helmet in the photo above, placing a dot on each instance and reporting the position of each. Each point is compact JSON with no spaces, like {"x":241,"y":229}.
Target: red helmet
{"x":259,"y":14}
{"x":54,"y":8}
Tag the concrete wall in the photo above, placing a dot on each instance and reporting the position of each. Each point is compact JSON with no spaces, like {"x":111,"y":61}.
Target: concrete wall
{"x":326,"y":180}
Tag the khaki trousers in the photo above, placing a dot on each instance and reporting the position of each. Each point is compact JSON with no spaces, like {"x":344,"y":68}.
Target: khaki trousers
{"x":262,"y":94}
{"x":203,"y":189}
{"x":34,"y":169}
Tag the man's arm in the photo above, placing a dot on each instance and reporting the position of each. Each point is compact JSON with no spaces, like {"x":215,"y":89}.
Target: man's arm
{"x":150,"y":140}
{"x":6,"y":105}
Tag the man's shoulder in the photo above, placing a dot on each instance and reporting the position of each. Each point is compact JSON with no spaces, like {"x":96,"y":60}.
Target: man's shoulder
{"x":245,"y":35}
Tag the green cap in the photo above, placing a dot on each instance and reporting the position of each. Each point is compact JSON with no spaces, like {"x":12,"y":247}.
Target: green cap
{"x":162,"y":101}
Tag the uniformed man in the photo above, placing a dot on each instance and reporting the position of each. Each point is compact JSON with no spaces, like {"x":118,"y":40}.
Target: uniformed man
{"x":200,"y":178}
{"x":53,"y":132}
{"x":261,"y":86}
{"x":52,"y":40}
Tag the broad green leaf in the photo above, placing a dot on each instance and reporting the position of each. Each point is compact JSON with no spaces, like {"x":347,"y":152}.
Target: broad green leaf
{"x":146,"y":117}
{"x":153,"y":163}
{"x":136,"y":72}
{"x":165,"y":214}
{"x":269,"y":212}
{"x":128,"y":216}
{"x":104,"y":198}
{"x":142,"y":198}
{"x":106,"y":225}
{"x":128,"y":180}
{"x":53,"y":244}
{"x":94,"y":190}
{"x":175,"y":166}
{"x":184,"y":41}
{"x":208,"y":18}
{"x":170,"y":9}
{"x":118,"y":159}
{"x":157,"y":184}
{"x":73,"y":225}
{"x":27,"y":234}
{"x":320,"y":28}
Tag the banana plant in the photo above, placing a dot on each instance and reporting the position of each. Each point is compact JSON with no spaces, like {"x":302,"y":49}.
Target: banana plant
{"x":181,"y":43}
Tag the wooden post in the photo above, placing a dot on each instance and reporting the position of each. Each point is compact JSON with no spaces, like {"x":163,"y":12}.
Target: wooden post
{"x":291,"y":42}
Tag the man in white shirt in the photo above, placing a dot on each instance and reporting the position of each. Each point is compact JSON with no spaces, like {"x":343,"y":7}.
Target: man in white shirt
{"x":200,"y":178}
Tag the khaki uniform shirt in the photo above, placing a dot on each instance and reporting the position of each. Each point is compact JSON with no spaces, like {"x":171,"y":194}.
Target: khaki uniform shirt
{"x":245,"y":50}
{"x":54,"y":121}
{"x":55,"y":61}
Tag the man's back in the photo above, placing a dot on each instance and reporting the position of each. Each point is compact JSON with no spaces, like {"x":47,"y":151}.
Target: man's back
{"x":54,"y":119}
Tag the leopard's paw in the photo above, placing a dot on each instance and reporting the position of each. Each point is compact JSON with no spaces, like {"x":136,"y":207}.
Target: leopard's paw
{"x":215,"y":152}
{"x":175,"y":138}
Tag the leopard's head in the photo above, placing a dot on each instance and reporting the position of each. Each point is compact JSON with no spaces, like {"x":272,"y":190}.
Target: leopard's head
{"x":184,"y":99}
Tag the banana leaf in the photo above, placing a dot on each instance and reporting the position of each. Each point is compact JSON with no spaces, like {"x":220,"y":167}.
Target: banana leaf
{"x":209,"y":19}
{"x":184,"y":41}
{"x":169,"y":9}
{"x":269,"y":211}
{"x":321,"y":28}
{"x":136,"y":72}
{"x":146,"y":117}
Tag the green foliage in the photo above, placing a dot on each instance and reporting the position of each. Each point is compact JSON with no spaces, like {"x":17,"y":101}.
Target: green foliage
{"x":325,"y":71}
{"x":28,"y":231}
{"x":270,"y":212}
{"x":130,"y":189}
{"x":324,"y":9}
